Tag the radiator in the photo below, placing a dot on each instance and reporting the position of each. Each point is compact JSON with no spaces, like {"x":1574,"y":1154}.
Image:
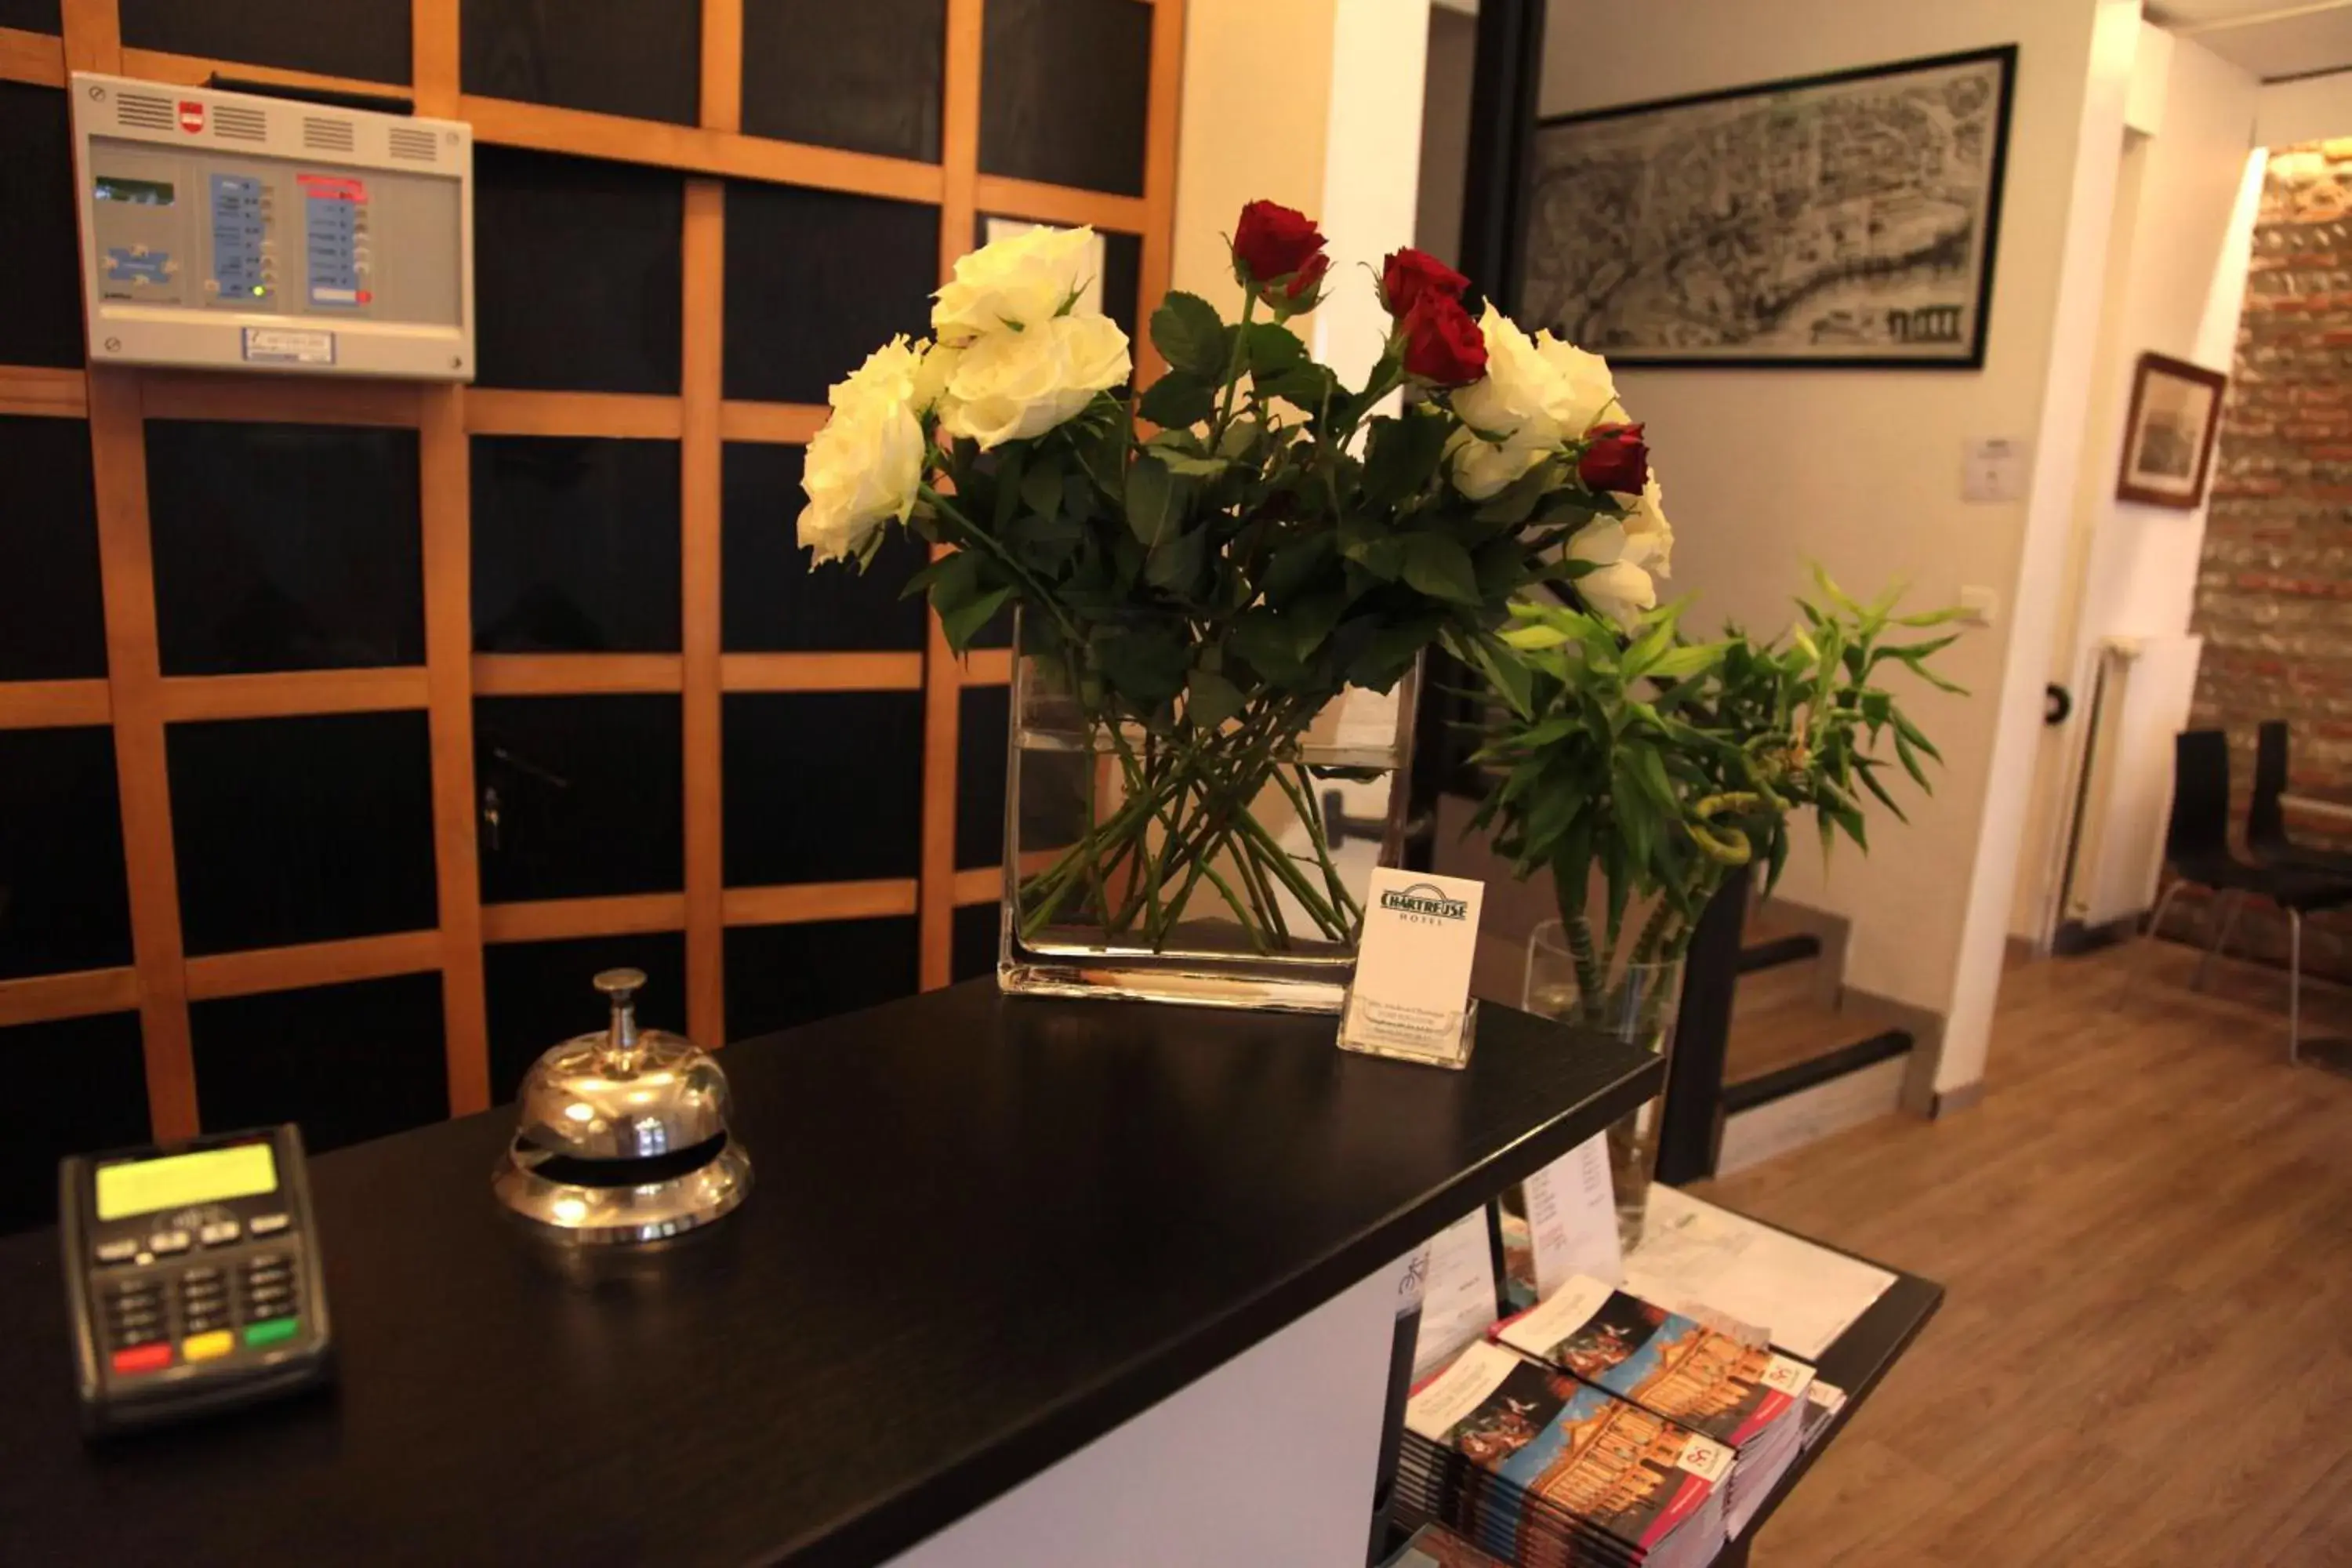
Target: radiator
{"x":2140,"y":694}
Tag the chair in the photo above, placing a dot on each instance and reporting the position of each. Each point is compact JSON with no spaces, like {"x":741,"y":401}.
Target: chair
{"x":2266,"y":833}
{"x":2197,"y":847}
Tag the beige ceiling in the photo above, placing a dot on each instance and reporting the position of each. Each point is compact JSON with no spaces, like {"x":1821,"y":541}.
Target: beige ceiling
{"x":2272,"y":38}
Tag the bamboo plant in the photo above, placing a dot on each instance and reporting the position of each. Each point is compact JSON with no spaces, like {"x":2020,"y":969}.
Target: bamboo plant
{"x":1666,"y":766}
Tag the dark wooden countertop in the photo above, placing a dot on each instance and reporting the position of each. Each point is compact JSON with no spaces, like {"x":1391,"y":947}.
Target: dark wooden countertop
{"x":983,"y":1233}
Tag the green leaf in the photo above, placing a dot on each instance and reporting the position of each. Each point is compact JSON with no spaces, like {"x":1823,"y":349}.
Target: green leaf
{"x":1295,"y":564}
{"x":1210,"y":699}
{"x":1178,"y":400}
{"x":1312,"y":620}
{"x":1150,"y":498}
{"x":1509,"y":675}
{"x":1305,"y":386}
{"x":1010,"y":465}
{"x":1402,"y":456}
{"x":1175,"y":563}
{"x":1274,"y":349}
{"x":1191,"y":336}
{"x":1189,"y":463}
{"x":1908,"y":755}
{"x":1147,"y":663}
{"x":1688,"y":661}
{"x":1436,"y":564}
{"x":1870,"y":781}
{"x":1040,"y":487}
{"x":964,"y":622}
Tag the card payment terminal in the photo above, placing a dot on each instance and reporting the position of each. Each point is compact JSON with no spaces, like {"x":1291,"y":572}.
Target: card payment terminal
{"x":192,"y":1277}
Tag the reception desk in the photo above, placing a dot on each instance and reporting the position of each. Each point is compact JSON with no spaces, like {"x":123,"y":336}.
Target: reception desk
{"x":1018,"y":1281}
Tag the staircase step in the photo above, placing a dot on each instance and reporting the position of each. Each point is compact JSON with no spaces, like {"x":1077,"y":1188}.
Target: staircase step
{"x":1780,"y":971}
{"x":1800,"y":1043}
{"x":1801,"y":1072}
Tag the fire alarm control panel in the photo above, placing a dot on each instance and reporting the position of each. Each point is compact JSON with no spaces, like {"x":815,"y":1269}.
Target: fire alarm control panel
{"x":229,"y":231}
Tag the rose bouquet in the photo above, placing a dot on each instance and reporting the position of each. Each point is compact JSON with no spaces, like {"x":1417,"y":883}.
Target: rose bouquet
{"x":1203,"y":576}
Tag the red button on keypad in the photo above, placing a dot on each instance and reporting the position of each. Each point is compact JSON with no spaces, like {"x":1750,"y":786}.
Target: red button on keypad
{"x":145,"y":1358}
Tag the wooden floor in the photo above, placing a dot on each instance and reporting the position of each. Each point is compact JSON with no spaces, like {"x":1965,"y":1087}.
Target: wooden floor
{"x":2146,"y":1231}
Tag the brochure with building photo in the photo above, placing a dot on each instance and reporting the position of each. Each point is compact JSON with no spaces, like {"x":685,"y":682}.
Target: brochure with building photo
{"x":1664,"y":1361}
{"x":1566,"y":1465}
{"x":1746,"y":1397}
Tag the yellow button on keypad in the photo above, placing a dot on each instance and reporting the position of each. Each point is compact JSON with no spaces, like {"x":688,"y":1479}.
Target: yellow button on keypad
{"x":203,"y":1347}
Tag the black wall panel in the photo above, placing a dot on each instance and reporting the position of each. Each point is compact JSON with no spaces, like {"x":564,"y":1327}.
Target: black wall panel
{"x":40,"y":263}
{"x":972,"y":951}
{"x":295,"y":830}
{"x":588,"y":792}
{"x":64,"y":897}
{"x":615,"y":57}
{"x":54,"y":623}
{"x":1122,"y":280}
{"x":867,"y":76}
{"x":778,"y":976}
{"x":94,"y":1097}
{"x":31,"y":15}
{"x":1064,"y":92}
{"x":347,"y":1062}
{"x":539,"y":994}
{"x":815,"y":281}
{"x":822,"y":786}
{"x":771,"y":603}
{"x":366,"y":38}
{"x":577,"y":272}
{"x":284,"y":546}
{"x":982,"y":715}
{"x":575,"y":545}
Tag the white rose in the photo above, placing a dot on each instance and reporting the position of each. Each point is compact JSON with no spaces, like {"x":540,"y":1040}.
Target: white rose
{"x":1019,"y":281}
{"x":1647,"y":520}
{"x":1619,"y":585}
{"x":931,"y":377}
{"x":1012,"y":386}
{"x":866,"y":465}
{"x":1537,"y":392}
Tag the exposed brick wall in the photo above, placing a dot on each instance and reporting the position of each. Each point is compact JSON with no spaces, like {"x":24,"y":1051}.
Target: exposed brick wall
{"x":2274,"y":589}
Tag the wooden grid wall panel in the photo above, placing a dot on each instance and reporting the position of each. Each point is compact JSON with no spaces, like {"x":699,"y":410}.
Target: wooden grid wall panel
{"x":137,"y":700}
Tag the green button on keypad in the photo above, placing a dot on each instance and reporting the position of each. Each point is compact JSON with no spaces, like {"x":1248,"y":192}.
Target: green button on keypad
{"x":270,"y":1332}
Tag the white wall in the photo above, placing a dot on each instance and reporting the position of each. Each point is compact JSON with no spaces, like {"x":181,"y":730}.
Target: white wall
{"x":1255,"y":107}
{"x":2311,"y":110}
{"x":2185,"y":213}
{"x":1860,"y":469}
{"x":1372,"y":160}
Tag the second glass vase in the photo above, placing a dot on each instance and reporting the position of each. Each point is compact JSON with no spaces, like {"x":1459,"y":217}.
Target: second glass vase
{"x":1634,"y":1002}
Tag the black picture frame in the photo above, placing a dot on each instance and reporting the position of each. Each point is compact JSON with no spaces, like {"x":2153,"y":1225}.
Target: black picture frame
{"x":1967,"y":335}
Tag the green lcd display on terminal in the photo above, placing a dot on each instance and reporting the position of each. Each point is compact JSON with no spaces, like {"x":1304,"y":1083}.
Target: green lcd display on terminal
{"x":192,"y":1277}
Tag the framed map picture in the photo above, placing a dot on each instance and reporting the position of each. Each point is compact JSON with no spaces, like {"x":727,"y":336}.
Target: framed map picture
{"x":2176,"y":412}
{"x":1843,"y":221}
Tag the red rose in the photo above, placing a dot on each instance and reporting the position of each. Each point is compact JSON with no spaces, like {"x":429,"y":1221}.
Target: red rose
{"x":1309,"y":277}
{"x":1618,"y":459}
{"x":1272,"y":242}
{"x":1441,"y":345}
{"x":1409,"y":274}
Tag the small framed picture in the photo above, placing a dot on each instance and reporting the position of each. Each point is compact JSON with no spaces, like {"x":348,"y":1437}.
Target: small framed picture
{"x":2176,"y":412}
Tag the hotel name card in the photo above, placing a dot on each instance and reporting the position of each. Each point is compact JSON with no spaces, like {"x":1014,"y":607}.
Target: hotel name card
{"x":1412,"y":995}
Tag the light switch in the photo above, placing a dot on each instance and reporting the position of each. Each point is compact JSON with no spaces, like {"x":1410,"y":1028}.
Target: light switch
{"x":1993,"y":470}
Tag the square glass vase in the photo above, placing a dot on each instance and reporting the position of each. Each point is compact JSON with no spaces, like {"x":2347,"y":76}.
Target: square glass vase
{"x":1220,"y":869}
